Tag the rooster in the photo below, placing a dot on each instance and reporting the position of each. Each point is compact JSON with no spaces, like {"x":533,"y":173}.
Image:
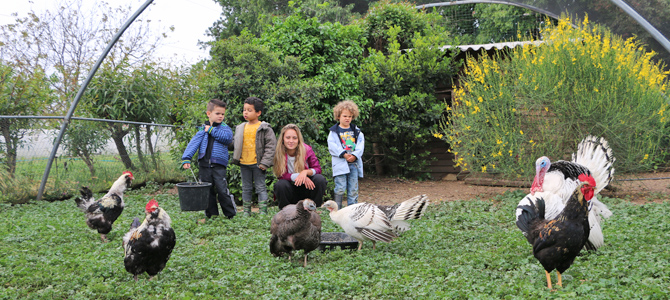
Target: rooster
{"x":148,"y":246}
{"x":296,"y":227}
{"x":409,"y":209}
{"x":101,"y":213}
{"x":558,"y":180}
{"x":362,"y":221}
{"x":557,"y":242}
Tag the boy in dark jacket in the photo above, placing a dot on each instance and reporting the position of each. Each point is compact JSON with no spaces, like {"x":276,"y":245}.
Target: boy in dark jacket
{"x":254,"y":150}
{"x":212,"y":147}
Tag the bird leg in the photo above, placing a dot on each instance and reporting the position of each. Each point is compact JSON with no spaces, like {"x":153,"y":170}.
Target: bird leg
{"x":548,"y":279}
{"x":374,"y":245}
{"x":305,"y":263}
{"x":360,"y":244}
{"x":135,"y":277}
{"x":560,"y":283}
{"x":103,"y":237}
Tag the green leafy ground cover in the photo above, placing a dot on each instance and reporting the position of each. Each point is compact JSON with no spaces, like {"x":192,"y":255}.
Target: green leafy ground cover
{"x":461,"y":249}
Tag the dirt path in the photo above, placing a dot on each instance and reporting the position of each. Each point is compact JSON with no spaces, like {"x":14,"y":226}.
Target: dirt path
{"x":382,"y":190}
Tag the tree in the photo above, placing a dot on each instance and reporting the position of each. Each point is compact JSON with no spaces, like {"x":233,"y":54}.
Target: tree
{"x":124,"y":94}
{"x":21,"y":93}
{"x":255,"y":16}
{"x":84,"y":140}
{"x":399,"y":106}
{"x":68,"y":40}
{"x":329,"y":52}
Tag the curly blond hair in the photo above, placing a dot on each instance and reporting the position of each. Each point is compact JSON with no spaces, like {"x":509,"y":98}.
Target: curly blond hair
{"x":345,"y":105}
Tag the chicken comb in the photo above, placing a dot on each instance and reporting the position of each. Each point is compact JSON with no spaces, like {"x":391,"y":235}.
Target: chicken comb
{"x":128,"y":172}
{"x":151,"y":205}
{"x":588,"y":179}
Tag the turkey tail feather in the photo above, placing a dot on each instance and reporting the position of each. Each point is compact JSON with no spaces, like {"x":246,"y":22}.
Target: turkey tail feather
{"x":412,"y":208}
{"x":595,"y":154}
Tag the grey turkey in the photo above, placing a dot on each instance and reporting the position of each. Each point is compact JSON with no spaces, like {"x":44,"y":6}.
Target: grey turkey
{"x":295,"y":227}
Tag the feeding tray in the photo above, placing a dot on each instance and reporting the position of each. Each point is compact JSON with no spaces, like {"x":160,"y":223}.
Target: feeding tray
{"x":331,"y":240}
{"x":193,"y":196}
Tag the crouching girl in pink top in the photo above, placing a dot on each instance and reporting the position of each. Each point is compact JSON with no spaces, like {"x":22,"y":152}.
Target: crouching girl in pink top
{"x":297,"y":168}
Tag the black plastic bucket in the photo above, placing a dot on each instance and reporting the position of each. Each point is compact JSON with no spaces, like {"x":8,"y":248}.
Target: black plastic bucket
{"x":193,"y":196}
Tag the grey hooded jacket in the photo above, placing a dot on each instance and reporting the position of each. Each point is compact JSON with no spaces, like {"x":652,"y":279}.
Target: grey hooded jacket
{"x":266,"y":142}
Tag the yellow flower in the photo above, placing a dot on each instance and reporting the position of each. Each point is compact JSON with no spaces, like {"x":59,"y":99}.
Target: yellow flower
{"x":484,"y":169}
{"x":546,"y":108}
{"x":646,"y":156}
{"x":438,"y":135}
{"x":480,"y":99}
{"x":531,"y":141}
{"x":521,"y":131}
{"x":513,"y":109}
{"x":498,"y":142}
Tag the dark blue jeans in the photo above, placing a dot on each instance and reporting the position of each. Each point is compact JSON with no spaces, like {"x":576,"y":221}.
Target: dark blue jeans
{"x":253,"y":177}
{"x":216,"y":174}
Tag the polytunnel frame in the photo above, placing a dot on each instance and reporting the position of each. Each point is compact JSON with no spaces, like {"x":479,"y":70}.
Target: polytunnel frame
{"x":657,"y":35}
{"x":80,"y":93}
{"x":620,"y":3}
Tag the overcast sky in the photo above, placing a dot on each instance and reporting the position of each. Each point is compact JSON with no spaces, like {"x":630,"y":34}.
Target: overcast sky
{"x":191,"y":18}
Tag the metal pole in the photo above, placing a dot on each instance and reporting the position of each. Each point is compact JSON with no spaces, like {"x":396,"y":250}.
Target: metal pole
{"x":644,"y":23}
{"x":66,"y":121}
{"x":459,"y":2}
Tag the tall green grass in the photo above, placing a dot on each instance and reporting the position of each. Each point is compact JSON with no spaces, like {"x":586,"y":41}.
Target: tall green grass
{"x":459,"y":250}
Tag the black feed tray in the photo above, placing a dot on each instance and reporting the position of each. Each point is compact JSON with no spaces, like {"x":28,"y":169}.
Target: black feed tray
{"x":330,"y":240}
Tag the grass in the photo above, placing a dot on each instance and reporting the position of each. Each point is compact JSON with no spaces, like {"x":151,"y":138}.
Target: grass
{"x":460,"y":250}
{"x":63,"y":182}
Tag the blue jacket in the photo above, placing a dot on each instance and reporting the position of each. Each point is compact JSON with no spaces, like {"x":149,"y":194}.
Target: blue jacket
{"x":222,"y":135}
{"x":340,"y":165}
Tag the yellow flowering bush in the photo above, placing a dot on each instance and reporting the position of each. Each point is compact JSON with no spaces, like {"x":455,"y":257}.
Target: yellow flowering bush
{"x":542,"y":99}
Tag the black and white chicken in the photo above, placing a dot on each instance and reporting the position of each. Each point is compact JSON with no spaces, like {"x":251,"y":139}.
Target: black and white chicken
{"x":557,"y":242}
{"x":101,"y":213}
{"x":557,"y":180}
{"x":148,"y":246}
{"x":362,"y":221}
{"x":295,"y":227}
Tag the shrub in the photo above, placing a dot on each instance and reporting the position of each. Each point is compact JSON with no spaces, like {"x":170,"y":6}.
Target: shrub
{"x":542,"y":100}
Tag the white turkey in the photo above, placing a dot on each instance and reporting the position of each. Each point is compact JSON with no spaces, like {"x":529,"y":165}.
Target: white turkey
{"x":295,"y":227}
{"x":557,"y":180}
{"x":148,"y":246}
{"x":409,"y":209}
{"x":362,"y":221}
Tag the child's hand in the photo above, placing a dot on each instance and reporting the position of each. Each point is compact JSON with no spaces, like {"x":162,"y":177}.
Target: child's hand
{"x":186,"y":166}
{"x":207,"y":127}
{"x":262,"y":167}
{"x":350,"y":158}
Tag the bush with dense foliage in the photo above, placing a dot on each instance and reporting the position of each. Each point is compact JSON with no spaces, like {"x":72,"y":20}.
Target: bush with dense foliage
{"x":543,"y":99}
